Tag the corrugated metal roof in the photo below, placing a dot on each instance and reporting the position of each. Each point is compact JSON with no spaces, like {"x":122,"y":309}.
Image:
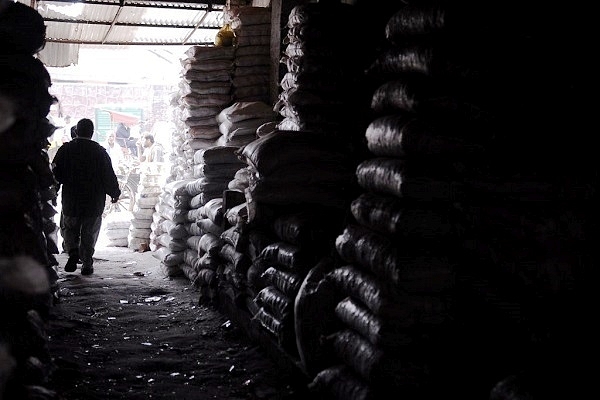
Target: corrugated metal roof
{"x":131,"y":22}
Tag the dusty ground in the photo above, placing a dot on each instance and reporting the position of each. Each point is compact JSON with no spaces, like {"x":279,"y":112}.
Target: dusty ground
{"x":128,"y":332}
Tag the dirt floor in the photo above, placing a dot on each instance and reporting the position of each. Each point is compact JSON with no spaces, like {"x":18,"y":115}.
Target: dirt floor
{"x":129,"y":332}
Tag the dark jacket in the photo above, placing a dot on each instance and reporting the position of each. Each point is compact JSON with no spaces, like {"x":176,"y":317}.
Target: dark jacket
{"x":122,"y":132}
{"x":83,"y":168}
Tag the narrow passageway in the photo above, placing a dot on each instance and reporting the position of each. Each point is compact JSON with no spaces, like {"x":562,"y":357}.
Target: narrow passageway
{"x":130,"y":332}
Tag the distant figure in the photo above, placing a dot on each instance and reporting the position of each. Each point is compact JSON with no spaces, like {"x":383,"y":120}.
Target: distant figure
{"x":114,"y":151}
{"x":122,"y":131}
{"x":123,"y":138}
{"x":67,"y":130}
{"x":59,"y":137}
{"x":84,"y":169}
{"x":150,"y":151}
{"x":73,"y":132}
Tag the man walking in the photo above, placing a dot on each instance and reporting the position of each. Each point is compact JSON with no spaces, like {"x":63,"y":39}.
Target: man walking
{"x":83,"y":168}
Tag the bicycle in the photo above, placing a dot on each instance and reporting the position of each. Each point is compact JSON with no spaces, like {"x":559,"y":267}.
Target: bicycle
{"x":128,"y":179}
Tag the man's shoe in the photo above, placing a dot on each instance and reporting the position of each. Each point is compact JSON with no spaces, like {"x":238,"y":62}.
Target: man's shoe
{"x":87,"y":270}
{"x":71,"y":264}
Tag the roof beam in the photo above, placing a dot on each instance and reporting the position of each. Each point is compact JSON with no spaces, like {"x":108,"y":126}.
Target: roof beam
{"x":185,"y":4}
{"x":114,"y":21}
{"x":131,"y":24}
{"x":189,"y":35}
{"x":107,"y":43}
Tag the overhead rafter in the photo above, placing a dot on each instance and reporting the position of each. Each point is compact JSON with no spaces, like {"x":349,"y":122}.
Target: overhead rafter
{"x":131,"y":22}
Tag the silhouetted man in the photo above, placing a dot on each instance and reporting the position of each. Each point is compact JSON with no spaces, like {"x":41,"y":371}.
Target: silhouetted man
{"x":84,"y":169}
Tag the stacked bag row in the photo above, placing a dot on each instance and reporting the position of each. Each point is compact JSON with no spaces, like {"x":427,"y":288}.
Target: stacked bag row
{"x":395,"y":282}
{"x":115,"y":227}
{"x":213,"y":128}
{"x":455,"y":249}
{"x":322,"y":84}
{"x":252,"y":72}
{"x":152,"y":178}
{"x":283,"y":209}
{"x":171,"y":222}
{"x":214,"y":167}
{"x":28,"y":197}
{"x":205,"y":90}
{"x":213,"y":77}
{"x":242,"y":122}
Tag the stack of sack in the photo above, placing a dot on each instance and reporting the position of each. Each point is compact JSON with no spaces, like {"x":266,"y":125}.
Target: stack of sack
{"x":115,"y":227}
{"x":169,"y":222}
{"x":323,"y":88}
{"x":28,"y":196}
{"x":204,"y":90}
{"x":152,"y":176}
{"x":240,"y":122}
{"x":252,"y":72}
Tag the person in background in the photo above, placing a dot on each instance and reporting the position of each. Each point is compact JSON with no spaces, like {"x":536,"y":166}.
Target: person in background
{"x":124,"y":139}
{"x":84,"y":170}
{"x":114,"y":151}
{"x":66,"y":131}
{"x":53,"y":147}
{"x":59,"y":137}
{"x":149,"y":150}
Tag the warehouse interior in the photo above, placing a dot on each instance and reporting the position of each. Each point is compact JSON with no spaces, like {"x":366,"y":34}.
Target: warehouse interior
{"x":396,"y":198}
